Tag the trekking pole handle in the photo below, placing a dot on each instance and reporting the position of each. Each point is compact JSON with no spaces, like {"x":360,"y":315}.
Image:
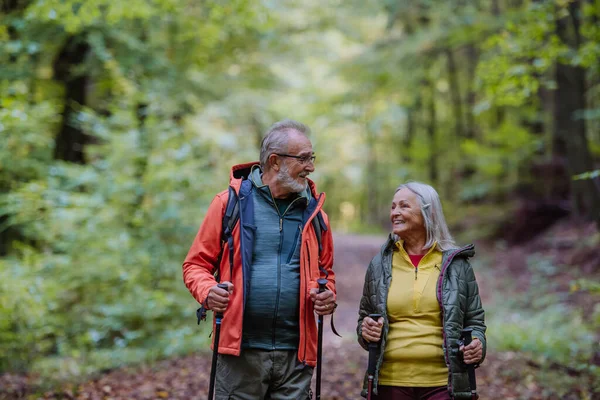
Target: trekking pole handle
{"x":219,"y":315}
{"x":322,"y":284}
{"x":373,"y":346}
{"x":467,"y":337}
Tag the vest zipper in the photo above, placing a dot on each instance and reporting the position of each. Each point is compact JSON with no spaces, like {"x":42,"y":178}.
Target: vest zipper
{"x":278,"y":281}
{"x":276,"y":311}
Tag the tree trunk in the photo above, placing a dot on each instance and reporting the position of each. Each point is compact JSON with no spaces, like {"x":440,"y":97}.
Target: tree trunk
{"x":431,"y":134}
{"x":410,"y":131}
{"x":70,"y":141}
{"x":472,"y":59}
{"x":411,"y":127}
{"x":464,"y":169}
{"x":8,"y":6}
{"x":9,"y":233}
{"x":372,"y":198}
{"x":455,"y":95}
{"x":495,"y":8}
{"x":570,"y":100}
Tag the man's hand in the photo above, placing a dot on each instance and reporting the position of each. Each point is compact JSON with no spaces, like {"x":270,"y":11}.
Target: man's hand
{"x":371,"y":329}
{"x":473,"y":352}
{"x":218,"y":299}
{"x":324,"y":301}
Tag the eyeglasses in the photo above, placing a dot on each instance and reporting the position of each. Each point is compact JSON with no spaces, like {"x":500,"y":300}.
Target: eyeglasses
{"x":301,"y":159}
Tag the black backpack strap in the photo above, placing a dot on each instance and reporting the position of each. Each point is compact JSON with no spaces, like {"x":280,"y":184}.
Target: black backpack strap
{"x":319,"y":225}
{"x":230,"y":218}
{"x":317,"y":228}
{"x":232,"y":213}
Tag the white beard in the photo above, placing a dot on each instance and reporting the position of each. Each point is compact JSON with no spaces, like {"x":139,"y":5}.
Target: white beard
{"x":287,"y":182}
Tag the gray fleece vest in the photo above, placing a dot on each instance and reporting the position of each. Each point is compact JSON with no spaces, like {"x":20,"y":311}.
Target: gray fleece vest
{"x":271,"y":315}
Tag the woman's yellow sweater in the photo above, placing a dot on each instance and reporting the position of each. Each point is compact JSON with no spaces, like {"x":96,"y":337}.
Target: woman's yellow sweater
{"x":413,"y":354}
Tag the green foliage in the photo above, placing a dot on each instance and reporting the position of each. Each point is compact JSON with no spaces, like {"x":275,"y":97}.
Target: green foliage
{"x":520,"y":54}
{"x":519,"y":57}
{"x":586,"y":285}
{"x":99,"y":278}
{"x":587,"y":175}
{"x":543,"y":322}
{"x":555,"y":334}
{"x":505,"y":148}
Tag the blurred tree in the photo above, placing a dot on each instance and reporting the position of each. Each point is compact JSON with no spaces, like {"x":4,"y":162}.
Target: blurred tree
{"x":571,"y":101}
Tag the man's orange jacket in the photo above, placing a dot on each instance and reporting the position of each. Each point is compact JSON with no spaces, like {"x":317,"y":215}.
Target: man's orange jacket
{"x":201,"y":261}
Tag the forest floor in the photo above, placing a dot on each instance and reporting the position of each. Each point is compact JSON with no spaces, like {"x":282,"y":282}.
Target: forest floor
{"x":504,"y":374}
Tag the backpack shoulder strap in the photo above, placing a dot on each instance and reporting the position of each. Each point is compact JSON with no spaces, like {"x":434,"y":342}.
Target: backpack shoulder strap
{"x":231,"y":216}
{"x":319,"y":226}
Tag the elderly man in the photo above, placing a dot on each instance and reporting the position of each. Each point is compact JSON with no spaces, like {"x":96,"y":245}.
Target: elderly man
{"x":268,"y":340}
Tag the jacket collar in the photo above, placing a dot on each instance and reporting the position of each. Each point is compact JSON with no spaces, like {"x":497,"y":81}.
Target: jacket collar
{"x":465,"y":251}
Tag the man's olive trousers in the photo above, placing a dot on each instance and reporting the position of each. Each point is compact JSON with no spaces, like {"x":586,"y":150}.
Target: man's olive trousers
{"x":262,"y":374}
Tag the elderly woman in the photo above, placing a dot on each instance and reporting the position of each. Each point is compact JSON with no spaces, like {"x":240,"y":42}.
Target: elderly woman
{"x":425,"y":290}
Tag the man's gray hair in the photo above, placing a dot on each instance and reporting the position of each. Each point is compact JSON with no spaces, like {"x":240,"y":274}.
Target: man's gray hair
{"x":431,"y":209}
{"x":276,"y":139}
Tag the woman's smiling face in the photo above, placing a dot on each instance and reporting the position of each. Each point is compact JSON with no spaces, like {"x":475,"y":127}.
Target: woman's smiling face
{"x":406,"y":214}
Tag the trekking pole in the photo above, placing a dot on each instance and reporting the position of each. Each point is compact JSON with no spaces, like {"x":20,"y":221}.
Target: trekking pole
{"x":322,"y":282}
{"x":213,"y":368}
{"x":465,"y":336}
{"x":373,"y":346}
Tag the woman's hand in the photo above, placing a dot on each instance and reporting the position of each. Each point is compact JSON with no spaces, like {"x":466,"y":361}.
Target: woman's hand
{"x":473,"y":352}
{"x":371,"y":329}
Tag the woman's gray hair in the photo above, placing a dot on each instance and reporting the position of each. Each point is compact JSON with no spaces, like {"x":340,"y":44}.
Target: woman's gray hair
{"x":431,"y":209}
{"x":276,"y":139}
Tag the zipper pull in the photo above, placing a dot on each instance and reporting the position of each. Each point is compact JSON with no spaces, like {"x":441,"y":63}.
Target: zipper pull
{"x":416,"y":271}
{"x":280,"y":224}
